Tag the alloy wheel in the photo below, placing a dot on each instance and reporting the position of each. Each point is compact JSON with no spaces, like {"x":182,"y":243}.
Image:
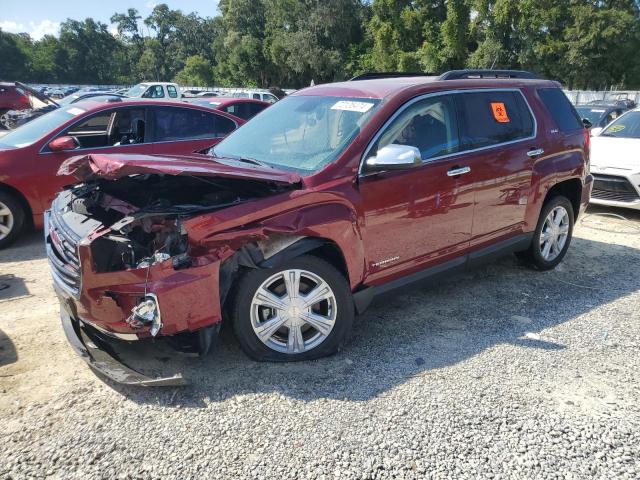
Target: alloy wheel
{"x":6,"y":221}
{"x":293,"y":311}
{"x":554,"y":234}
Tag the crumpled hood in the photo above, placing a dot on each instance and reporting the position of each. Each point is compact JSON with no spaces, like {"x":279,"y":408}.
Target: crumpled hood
{"x":622,"y":153}
{"x":114,"y":166}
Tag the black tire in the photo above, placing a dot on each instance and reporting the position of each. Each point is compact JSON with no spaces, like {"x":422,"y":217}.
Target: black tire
{"x":18,"y":214}
{"x":2,"y":125}
{"x":246,"y":287}
{"x":533,"y":255}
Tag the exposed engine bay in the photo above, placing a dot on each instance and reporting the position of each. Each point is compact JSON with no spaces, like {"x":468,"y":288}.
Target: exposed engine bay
{"x":144,"y":214}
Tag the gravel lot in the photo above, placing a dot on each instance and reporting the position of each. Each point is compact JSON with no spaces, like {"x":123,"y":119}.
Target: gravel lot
{"x":498,"y":373}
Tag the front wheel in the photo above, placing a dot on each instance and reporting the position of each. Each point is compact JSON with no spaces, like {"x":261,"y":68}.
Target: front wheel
{"x":12,"y":218}
{"x":4,"y":120}
{"x":553,"y":234}
{"x":301,"y":310}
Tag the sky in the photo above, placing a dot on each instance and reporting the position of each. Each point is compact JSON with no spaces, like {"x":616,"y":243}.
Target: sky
{"x":42,"y":17}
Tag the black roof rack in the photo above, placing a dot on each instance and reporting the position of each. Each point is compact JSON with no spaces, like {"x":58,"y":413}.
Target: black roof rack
{"x":377,"y":75}
{"x":462,"y":74}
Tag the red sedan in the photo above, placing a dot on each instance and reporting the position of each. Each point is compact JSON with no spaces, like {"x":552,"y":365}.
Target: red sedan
{"x":31,"y":155}
{"x":244,"y":108}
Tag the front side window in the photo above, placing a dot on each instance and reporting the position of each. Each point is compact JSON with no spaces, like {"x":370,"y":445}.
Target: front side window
{"x":92,"y":132}
{"x":155,"y":91}
{"x":625,"y":126}
{"x":300,"y":133}
{"x":173,"y":93}
{"x":493,"y":117}
{"x":430,"y":125}
{"x":175,"y":123}
{"x":129,"y":127}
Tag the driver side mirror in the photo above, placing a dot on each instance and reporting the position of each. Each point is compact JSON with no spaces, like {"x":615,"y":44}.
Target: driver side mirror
{"x":587,"y":123}
{"x":63,"y":143}
{"x":395,"y":157}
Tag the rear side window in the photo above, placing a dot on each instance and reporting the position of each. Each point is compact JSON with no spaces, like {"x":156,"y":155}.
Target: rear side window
{"x":560,"y":108}
{"x":493,"y":117}
{"x":173,"y":93}
{"x":173,"y":123}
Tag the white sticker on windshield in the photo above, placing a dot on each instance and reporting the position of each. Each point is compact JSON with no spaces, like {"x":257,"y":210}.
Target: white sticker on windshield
{"x":598,"y":111}
{"x":352,"y":106}
{"x":75,"y":111}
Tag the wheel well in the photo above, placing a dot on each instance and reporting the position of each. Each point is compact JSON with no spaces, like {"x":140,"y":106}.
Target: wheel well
{"x":330,"y":252}
{"x":572,"y":189}
{"x":23,"y":201}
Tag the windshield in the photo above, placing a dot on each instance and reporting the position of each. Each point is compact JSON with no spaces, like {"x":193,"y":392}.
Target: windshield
{"x":590,"y":113}
{"x":627,"y":126}
{"x":38,"y":127}
{"x":299,"y":133}
{"x":136,"y":90}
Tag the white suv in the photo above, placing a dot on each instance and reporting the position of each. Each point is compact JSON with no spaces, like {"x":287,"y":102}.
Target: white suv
{"x":257,"y":95}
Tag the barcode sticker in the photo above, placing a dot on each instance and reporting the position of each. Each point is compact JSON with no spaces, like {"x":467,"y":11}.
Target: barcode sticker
{"x":352,"y":106}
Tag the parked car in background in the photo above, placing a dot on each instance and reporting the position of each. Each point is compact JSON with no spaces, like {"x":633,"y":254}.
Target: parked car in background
{"x":31,"y":154}
{"x":244,"y":108}
{"x":13,"y":96}
{"x":207,"y":94}
{"x":263,"y":95}
{"x":600,"y":114}
{"x":332,"y":196}
{"x":16,"y":118}
{"x":155,"y":91}
{"x":615,"y":163}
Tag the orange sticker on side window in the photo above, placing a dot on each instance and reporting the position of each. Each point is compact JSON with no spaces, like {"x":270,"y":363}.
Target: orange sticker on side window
{"x":500,"y":112}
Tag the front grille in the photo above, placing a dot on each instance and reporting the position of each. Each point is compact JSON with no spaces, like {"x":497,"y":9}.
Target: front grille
{"x":62,"y":251}
{"x":613,"y":188}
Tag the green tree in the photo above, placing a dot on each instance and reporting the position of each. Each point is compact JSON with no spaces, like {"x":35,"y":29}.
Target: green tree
{"x":197,"y":72}
{"x":13,"y":58}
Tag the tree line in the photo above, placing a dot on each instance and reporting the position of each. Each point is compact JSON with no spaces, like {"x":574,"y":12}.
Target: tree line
{"x":583,"y":43}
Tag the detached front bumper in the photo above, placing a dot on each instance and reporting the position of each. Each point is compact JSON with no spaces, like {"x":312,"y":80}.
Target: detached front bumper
{"x":99,"y":355}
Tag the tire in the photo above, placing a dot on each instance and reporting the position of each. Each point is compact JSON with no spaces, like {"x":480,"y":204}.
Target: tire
{"x":3,"y":120}
{"x":537,"y":255}
{"x":334,"y":314}
{"x":11,"y":223}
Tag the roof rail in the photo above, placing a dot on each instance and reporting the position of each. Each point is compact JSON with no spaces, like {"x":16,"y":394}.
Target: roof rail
{"x":376,"y":75}
{"x":462,"y":74}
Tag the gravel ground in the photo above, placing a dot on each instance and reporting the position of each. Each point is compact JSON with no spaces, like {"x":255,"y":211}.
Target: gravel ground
{"x":498,"y":373}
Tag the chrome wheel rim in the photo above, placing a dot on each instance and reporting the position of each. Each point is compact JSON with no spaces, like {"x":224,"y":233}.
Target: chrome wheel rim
{"x":6,"y":221}
{"x":293,"y":311}
{"x":554,"y":234}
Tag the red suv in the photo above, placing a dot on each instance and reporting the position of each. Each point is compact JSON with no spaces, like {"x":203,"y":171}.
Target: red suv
{"x":329,"y":198}
{"x":31,"y":155}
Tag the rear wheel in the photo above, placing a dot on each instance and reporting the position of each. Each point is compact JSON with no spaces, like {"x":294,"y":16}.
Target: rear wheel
{"x":11,"y":219}
{"x":300,"y":310}
{"x":553,"y":234}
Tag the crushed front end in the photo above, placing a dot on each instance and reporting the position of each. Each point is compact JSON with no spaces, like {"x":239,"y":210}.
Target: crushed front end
{"x":124,"y":267}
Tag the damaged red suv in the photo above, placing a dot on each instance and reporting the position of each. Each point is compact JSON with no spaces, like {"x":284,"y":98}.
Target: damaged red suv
{"x":329,"y":198}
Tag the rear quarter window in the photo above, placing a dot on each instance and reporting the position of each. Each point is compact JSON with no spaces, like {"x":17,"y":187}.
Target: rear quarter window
{"x":564,"y":114}
{"x":493,"y":117}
